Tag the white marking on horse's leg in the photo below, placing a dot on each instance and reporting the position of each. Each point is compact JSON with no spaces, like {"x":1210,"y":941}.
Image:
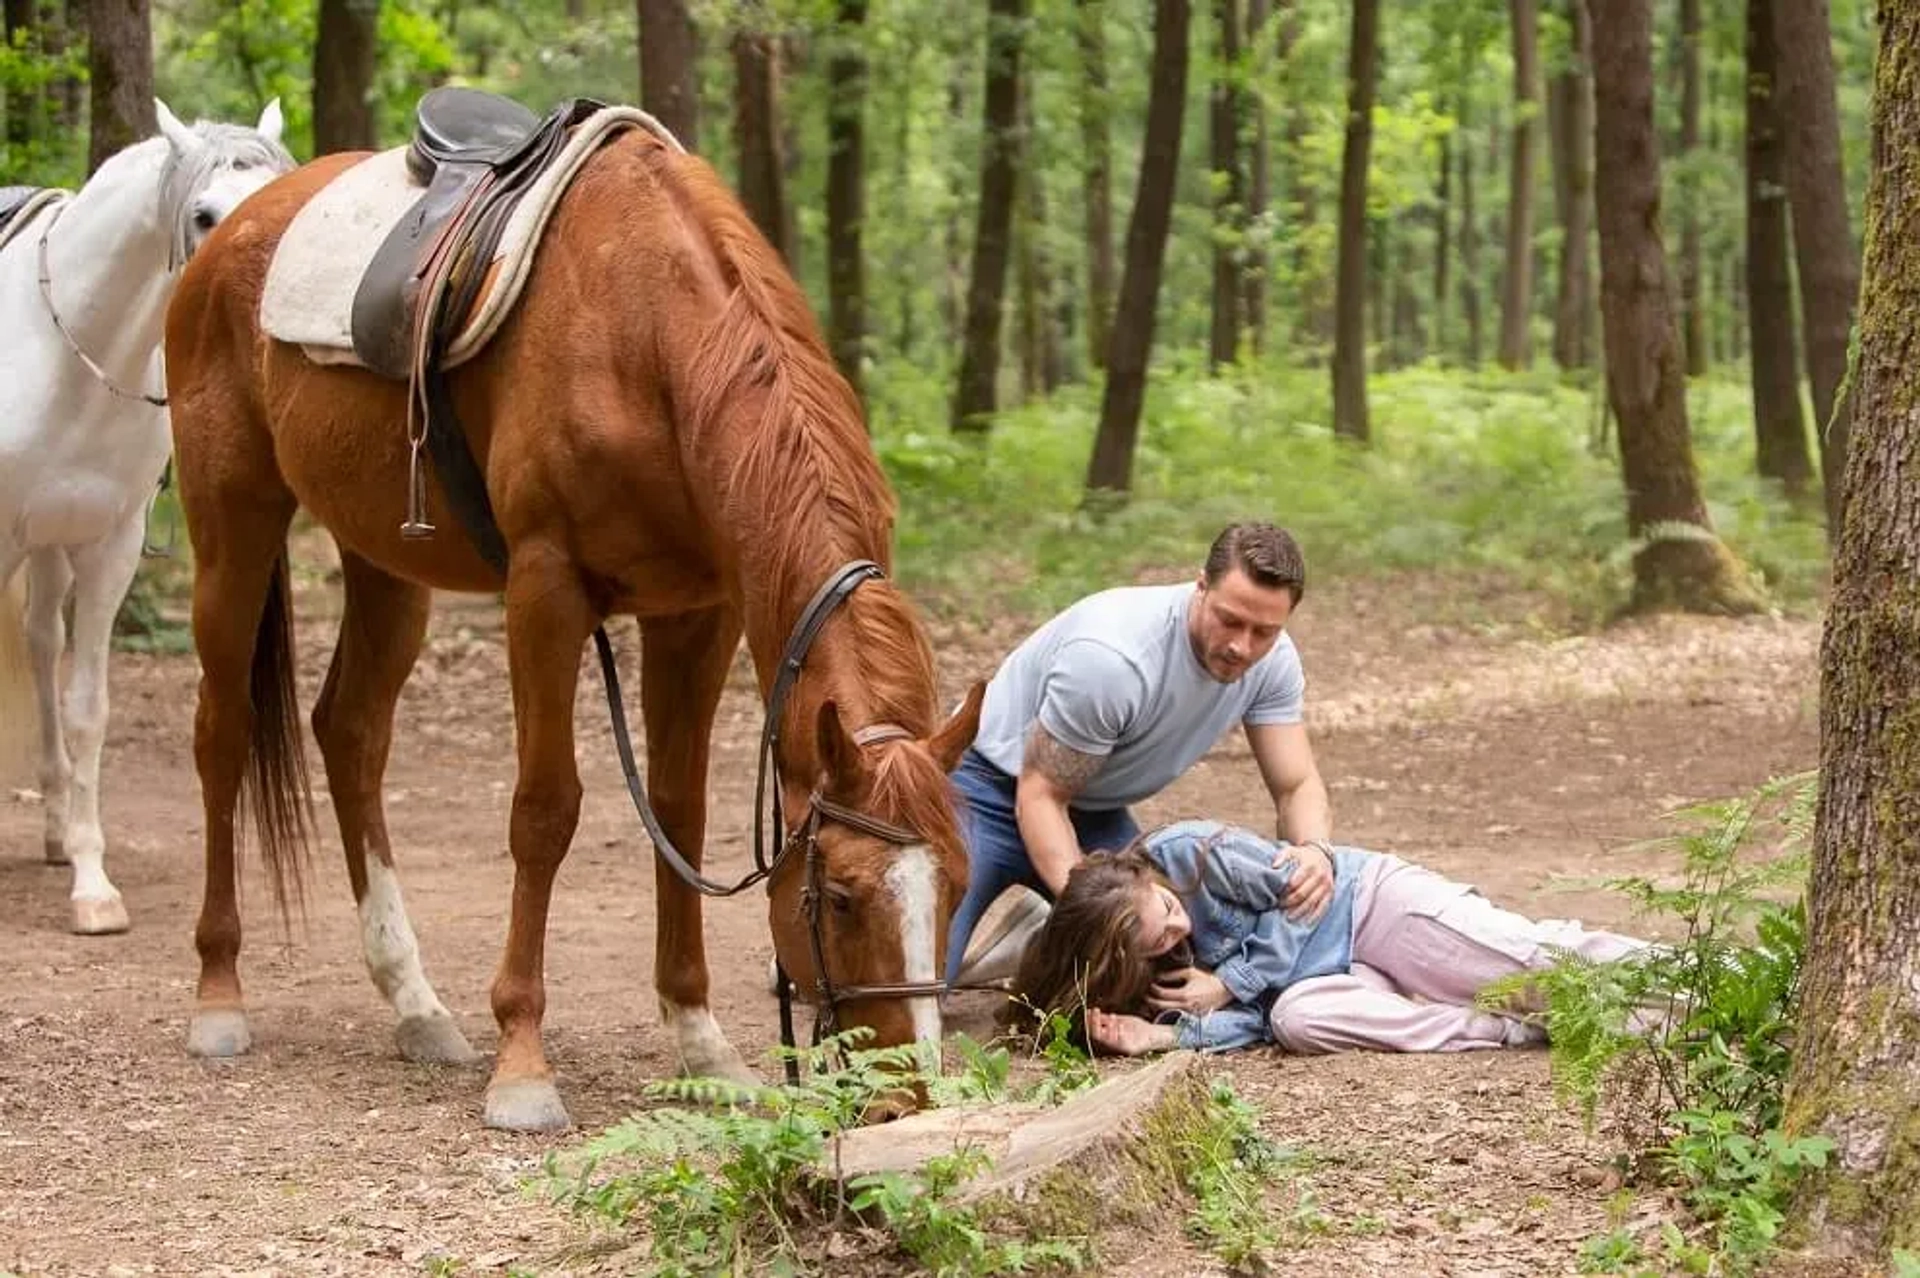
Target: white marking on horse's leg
{"x":101,"y":575}
{"x":702,"y":1044}
{"x":427,"y":1031}
{"x":48,"y":579}
{"x":912,"y":881}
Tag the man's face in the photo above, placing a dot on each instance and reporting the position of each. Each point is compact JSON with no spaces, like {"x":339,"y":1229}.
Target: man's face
{"x":1235,"y":622}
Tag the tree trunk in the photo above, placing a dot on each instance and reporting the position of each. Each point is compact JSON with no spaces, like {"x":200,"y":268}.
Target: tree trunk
{"x":1259,"y":194}
{"x":1442,"y":243}
{"x":1780,"y":430}
{"x":1097,"y":173}
{"x":1038,"y":338}
{"x":756,"y":130}
{"x":1692,"y":269}
{"x":120,"y":70}
{"x":1822,"y":240}
{"x":976,"y":395}
{"x":1516,"y":299}
{"x":1679,"y":562}
{"x":22,"y":104}
{"x":1573,"y":152}
{"x":1469,"y":249}
{"x":1229,"y":197}
{"x":1310,"y":284}
{"x":1856,"y":1060}
{"x":344,"y":56}
{"x":1350,"y":287}
{"x":1110,"y":470}
{"x":846,"y":191}
{"x":62,"y":23}
{"x":670,"y":68}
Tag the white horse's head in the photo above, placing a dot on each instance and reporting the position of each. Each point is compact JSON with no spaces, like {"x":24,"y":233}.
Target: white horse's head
{"x":210,"y":168}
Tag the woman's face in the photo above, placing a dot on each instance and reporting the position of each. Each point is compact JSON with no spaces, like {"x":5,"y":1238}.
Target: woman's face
{"x":1161,"y":919}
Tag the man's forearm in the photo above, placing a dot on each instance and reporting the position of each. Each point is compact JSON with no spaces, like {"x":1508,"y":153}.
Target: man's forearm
{"x":1048,"y":833}
{"x":1305,"y":813}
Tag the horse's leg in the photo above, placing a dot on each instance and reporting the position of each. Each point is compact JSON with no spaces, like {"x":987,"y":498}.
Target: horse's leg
{"x":239,"y":535}
{"x":548,"y":621}
{"x":49,"y":578}
{"x":381,"y":630}
{"x":101,"y":574}
{"x":683,"y":669}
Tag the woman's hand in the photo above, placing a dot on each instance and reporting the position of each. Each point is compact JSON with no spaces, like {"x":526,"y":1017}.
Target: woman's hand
{"x":1128,"y":1035}
{"x":1191,"y":989}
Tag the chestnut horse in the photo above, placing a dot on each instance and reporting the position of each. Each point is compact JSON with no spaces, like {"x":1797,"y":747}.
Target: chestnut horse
{"x":662,"y":435}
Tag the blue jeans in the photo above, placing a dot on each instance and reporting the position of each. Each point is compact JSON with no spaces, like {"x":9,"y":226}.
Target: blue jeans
{"x":997,"y":855}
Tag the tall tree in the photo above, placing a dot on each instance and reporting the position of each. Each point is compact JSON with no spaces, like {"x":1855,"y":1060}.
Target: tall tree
{"x":1110,"y":469}
{"x":846,"y":190}
{"x":1779,"y":427}
{"x":1469,"y":248}
{"x":1229,"y":195}
{"x":756,"y":129}
{"x":1096,"y":169}
{"x":22,"y":103}
{"x":345,"y":53}
{"x":1259,"y":194}
{"x":1692,"y":255}
{"x":1038,"y":332}
{"x":670,"y":68}
{"x":976,"y":394}
{"x":1516,"y":299}
{"x":1571,"y":112}
{"x":1856,"y":1058}
{"x":1679,"y":561}
{"x":1822,"y":240}
{"x":1442,"y":240}
{"x":120,"y":71}
{"x":1350,"y":284}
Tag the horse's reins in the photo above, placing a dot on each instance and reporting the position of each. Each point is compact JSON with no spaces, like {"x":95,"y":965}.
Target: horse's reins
{"x":73,"y":343}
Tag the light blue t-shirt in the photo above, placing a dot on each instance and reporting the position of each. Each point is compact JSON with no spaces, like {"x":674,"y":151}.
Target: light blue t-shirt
{"x":1115,"y":676}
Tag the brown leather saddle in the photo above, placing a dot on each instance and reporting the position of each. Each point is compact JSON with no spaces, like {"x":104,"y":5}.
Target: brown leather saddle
{"x":477,"y":155}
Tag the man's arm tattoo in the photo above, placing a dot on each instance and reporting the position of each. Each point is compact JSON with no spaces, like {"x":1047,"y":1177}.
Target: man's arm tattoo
{"x":1067,"y":768}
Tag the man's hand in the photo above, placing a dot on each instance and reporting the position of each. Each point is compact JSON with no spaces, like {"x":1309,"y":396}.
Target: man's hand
{"x":1191,"y":989}
{"x":1128,"y":1035}
{"x":1311,"y":885}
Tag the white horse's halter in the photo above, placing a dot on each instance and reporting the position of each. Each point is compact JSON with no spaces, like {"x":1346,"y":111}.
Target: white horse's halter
{"x":46,"y":295}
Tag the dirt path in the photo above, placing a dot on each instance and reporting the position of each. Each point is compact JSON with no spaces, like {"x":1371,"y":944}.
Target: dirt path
{"x":1521,"y":765}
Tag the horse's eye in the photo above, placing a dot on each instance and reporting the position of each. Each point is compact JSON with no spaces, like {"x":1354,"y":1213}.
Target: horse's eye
{"x":840,"y":898}
{"x":241,"y":166}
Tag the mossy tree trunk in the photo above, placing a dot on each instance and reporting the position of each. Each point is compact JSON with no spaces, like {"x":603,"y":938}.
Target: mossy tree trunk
{"x":1679,"y":563}
{"x":1779,"y":425}
{"x":1856,"y":1067}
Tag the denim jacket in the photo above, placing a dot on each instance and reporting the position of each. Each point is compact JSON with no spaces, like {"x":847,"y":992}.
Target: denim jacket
{"x":1224,"y":876}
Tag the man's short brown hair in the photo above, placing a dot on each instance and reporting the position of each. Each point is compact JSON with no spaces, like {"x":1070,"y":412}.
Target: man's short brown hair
{"x":1268,"y":555}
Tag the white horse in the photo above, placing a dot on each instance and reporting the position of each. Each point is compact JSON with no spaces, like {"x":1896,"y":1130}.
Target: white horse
{"x":84,"y":437}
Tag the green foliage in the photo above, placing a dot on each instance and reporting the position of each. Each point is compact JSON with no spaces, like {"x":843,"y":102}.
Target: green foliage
{"x":1227,"y":1163}
{"x":951,"y":1240}
{"x":1688,"y":1047}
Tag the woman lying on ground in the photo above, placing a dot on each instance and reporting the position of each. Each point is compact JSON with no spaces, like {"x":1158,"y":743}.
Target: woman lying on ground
{"x":1186,"y":926}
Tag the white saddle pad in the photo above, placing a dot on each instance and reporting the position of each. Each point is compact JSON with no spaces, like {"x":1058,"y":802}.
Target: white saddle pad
{"x":316,"y":270}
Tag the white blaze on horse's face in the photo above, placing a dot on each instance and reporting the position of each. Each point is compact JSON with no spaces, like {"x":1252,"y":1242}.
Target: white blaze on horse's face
{"x":221,"y":174}
{"x":914,"y":880}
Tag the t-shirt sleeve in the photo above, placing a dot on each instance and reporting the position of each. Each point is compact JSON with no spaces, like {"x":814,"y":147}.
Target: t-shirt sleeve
{"x":1283,"y":689}
{"x":1090,"y":697}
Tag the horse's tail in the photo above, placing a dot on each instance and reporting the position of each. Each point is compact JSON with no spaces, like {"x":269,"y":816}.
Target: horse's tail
{"x":277,"y":760}
{"x":19,"y":708}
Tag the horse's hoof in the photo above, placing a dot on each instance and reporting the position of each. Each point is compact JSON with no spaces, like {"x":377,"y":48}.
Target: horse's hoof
{"x":725,"y":1064}
{"x":56,"y":851}
{"x":99,"y":915}
{"x":219,"y":1033}
{"x":526,"y":1105}
{"x":433,"y":1040}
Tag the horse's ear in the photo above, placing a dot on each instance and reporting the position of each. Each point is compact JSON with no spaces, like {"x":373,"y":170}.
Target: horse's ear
{"x":948,"y":744}
{"x":181,"y":138}
{"x":839,"y":754}
{"x":272,"y":122}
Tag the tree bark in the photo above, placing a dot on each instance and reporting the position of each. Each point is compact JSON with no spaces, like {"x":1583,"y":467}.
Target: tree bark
{"x":1442,"y":243}
{"x":1038,"y":337}
{"x":23,"y":105}
{"x":756,"y":130}
{"x":1573,"y":150}
{"x":1228,"y":184}
{"x":1350,"y":287}
{"x":1779,"y":427}
{"x":670,"y":68}
{"x":1469,"y":249}
{"x":120,"y":70}
{"x":846,"y":191}
{"x":976,"y":395}
{"x":1110,"y":469}
{"x":1822,"y":240}
{"x":1856,"y":1060}
{"x":345,"y":52}
{"x":1692,"y":265}
{"x":1679,"y":562}
{"x":1516,"y":300}
{"x":1259,"y":195}
{"x":1096,"y":170}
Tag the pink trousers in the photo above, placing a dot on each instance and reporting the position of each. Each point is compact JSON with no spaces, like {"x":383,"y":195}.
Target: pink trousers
{"x":1423,"y":946}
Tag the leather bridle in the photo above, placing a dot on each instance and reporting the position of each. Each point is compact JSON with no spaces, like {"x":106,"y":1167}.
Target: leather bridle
{"x":804,"y":838}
